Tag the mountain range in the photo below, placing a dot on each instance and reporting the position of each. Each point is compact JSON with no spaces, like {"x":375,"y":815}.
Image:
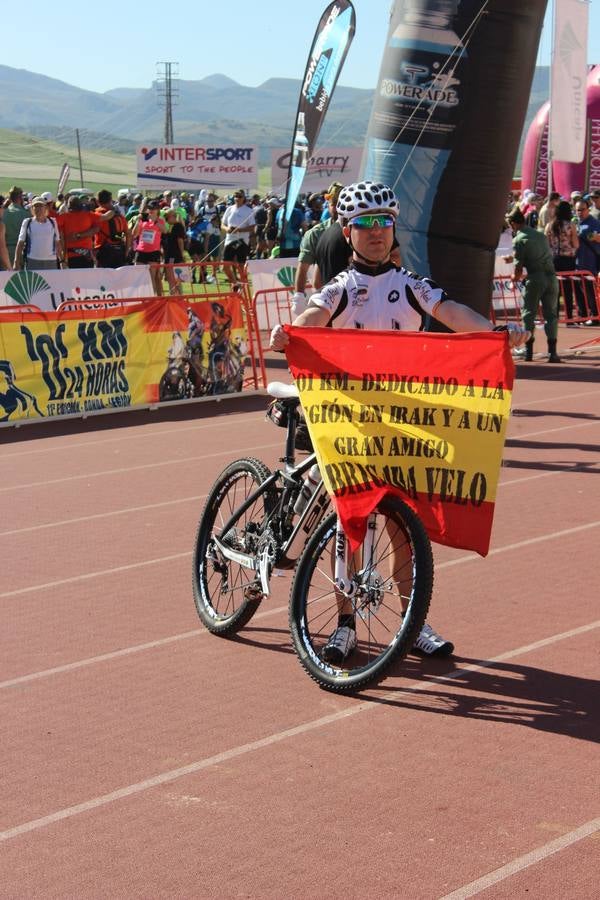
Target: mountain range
{"x":215,"y":109}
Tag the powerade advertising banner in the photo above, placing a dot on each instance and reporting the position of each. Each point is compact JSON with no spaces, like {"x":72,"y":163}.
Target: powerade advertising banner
{"x":69,"y":363}
{"x":447,"y":117}
{"x":195,"y":167}
{"x":51,"y":287}
{"x":326,"y":164}
{"x":419,"y":416}
{"x":333,"y":37}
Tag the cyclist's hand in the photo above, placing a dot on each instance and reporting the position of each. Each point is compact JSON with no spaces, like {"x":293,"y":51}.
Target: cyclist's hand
{"x":517,"y":335}
{"x":279,"y":339}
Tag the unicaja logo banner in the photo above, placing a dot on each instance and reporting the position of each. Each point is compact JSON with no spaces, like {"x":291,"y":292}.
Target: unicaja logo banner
{"x":23,"y":287}
{"x":49,"y":289}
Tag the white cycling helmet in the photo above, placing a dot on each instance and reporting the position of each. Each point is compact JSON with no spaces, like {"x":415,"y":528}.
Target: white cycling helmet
{"x":366,"y":197}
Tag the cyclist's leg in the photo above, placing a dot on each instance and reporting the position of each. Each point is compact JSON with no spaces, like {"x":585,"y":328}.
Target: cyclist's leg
{"x":429,"y":642}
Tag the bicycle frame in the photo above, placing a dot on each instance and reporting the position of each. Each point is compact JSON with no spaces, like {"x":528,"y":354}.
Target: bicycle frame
{"x":290,"y":549}
{"x":291,"y":476}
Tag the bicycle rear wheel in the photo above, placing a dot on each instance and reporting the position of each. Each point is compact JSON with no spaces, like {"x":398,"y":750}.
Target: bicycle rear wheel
{"x":226,"y":593}
{"x":390,"y":603}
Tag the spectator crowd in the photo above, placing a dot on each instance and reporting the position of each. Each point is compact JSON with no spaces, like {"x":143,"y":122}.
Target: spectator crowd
{"x":84,"y":230}
{"x":571,"y":228}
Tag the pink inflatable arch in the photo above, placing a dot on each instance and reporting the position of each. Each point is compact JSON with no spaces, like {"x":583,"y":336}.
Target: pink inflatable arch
{"x":566,"y":177}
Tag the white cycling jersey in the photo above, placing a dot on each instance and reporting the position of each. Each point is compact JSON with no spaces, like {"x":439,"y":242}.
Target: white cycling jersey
{"x":393,"y":299}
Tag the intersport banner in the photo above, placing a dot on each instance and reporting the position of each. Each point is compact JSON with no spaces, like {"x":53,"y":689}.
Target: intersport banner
{"x":49,"y":288}
{"x":196,"y":167}
{"x":82,"y":361}
{"x":568,"y":80}
{"x":332,"y":39}
{"x":419,"y":416}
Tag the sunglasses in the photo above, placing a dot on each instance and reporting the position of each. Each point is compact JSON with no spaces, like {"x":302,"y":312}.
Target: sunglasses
{"x":382,"y":221}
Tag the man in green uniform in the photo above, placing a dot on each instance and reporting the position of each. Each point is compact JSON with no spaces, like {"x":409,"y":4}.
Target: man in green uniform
{"x":531,"y":251}
{"x":306,"y":256}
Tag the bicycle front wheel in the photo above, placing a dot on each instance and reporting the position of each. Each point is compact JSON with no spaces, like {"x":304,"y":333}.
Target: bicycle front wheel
{"x":390,"y":603}
{"x":228,"y":593}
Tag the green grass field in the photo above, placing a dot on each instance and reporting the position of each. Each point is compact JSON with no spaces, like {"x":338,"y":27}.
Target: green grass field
{"x":35,"y":165}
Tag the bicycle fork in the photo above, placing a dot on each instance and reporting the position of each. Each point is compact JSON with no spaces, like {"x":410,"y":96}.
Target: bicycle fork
{"x":349,"y":586}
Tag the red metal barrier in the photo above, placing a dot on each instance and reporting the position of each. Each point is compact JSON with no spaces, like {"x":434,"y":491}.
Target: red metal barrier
{"x":267,"y":309}
{"x":579,"y":299}
{"x":203,"y":279}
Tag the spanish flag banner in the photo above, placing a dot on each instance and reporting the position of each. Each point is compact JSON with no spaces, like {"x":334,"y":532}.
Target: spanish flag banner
{"x":418,"y":416}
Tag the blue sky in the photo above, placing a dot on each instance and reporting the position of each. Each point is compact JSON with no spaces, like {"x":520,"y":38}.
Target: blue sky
{"x":248,"y":40}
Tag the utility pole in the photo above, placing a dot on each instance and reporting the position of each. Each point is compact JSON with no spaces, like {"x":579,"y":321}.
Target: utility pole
{"x":168,"y":92}
{"x":79,"y":154}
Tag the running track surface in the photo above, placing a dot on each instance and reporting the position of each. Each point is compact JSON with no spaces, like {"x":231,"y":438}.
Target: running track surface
{"x":143,"y":757}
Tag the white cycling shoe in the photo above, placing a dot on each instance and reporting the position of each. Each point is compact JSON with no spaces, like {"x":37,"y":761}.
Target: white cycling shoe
{"x":430,"y":643}
{"x":340,"y":645}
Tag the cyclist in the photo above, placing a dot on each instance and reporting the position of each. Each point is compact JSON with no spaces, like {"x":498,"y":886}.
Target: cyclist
{"x":367,"y":211}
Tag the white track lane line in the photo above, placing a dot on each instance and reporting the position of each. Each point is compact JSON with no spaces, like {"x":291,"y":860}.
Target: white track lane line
{"x":137,"y":648}
{"x":225,"y":420}
{"x":86,"y":576}
{"x":126,"y":651}
{"x":134,"y":509}
{"x":525,"y":861}
{"x":168,"y":462}
{"x":147,"y":432}
{"x":106,"y":515}
{"x":268,"y":741}
{"x":154,"y":465}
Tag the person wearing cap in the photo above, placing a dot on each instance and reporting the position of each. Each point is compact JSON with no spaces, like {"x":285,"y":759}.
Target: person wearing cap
{"x":548,"y":211}
{"x":112,"y":241}
{"x":595,"y":204}
{"x":123,"y":201}
{"x":531,"y":251}
{"x":532,"y":215}
{"x":271,"y":226}
{"x":134,"y":208}
{"x":39,"y":245}
{"x":587,"y":260}
{"x":14,"y":216}
{"x":50,"y":204}
{"x":77,"y":228}
{"x":291,"y":235}
{"x":147,"y":242}
{"x":308,"y":245}
{"x":260,"y":217}
{"x":5,"y":260}
{"x":237,"y":223}
{"x":313,"y":213}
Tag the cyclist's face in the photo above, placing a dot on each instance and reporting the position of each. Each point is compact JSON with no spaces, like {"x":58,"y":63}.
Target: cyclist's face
{"x":373,"y":243}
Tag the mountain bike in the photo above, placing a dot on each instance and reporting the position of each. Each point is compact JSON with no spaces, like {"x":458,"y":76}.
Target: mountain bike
{"x":256,"y":521}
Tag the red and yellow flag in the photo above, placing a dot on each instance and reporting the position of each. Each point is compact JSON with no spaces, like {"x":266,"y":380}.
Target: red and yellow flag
{"x":415,"y":415}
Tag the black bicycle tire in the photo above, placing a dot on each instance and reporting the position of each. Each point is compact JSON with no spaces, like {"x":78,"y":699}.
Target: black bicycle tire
{"x":346,"y":681}
{"x":209,"y":616}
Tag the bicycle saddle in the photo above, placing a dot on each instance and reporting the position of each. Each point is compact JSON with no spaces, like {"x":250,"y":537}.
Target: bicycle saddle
{"x":282,"y":391}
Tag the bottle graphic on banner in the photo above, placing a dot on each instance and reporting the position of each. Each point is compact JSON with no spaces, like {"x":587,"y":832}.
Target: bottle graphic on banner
{"x":415,"y":114}
{"x":298,"y":167}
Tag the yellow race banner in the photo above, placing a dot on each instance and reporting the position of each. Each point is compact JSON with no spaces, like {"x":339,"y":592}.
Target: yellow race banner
{"x":415,"y":415}
{"x":124,"y":354}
